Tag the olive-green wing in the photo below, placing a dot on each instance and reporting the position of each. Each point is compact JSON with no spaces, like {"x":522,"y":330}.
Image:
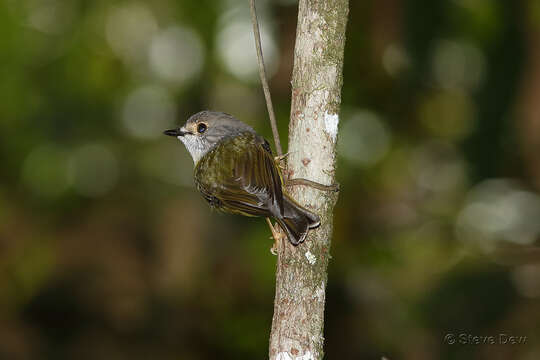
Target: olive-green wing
{"x":252,"y":183}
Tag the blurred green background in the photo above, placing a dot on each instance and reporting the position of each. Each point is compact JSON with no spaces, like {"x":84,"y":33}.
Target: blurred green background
{"x":108,"y":252}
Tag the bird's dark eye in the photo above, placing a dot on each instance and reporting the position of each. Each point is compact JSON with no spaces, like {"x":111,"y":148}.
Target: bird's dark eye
{"x":201,"y":128}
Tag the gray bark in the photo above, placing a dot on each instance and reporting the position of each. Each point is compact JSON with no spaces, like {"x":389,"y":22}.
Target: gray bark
{"x":301,"y":274}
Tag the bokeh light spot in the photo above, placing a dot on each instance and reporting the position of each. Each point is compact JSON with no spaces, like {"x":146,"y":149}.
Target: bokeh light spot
{"x":437,"y":166}
{"x":448,"y":114}
{"x":395,"y":59}
{"x":44,"y":171}
{"x":236,"y":48}
{"x":93,"y":170}
{"x":148,"y":111}
{"x":129,"y":29}
{"x":458,"y":65}
{"x":499,"y":209}
{"x":364,"y":139}
{"x":51,"y":16}
{"x":176,"y":54}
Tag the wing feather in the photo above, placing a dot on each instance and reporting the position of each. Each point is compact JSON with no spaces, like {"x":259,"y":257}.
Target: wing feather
{"x":248,"y":183}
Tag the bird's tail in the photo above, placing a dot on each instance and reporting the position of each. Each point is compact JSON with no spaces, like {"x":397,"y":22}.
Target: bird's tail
{"x":296,"y":220}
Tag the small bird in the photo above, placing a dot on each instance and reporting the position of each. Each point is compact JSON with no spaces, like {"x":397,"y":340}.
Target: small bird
{"x":236,"y":172}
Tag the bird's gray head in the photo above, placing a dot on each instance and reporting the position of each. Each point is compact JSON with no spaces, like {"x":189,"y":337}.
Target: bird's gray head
{"x":204,"y":130}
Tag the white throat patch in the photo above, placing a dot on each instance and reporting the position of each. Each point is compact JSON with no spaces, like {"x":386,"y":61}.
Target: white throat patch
{"x":195,"y":146}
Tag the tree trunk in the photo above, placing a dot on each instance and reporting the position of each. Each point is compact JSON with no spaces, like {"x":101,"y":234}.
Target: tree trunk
{"x":301,"y":272}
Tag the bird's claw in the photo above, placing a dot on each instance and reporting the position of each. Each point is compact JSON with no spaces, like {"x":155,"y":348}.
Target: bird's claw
{"x":277,"y":235}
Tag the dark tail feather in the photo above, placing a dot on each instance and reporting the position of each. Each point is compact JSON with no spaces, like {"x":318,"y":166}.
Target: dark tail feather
{"x":296,"y":220}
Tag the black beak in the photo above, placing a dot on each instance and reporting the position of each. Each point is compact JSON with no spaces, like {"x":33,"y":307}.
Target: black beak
{"x":174,"y":132}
